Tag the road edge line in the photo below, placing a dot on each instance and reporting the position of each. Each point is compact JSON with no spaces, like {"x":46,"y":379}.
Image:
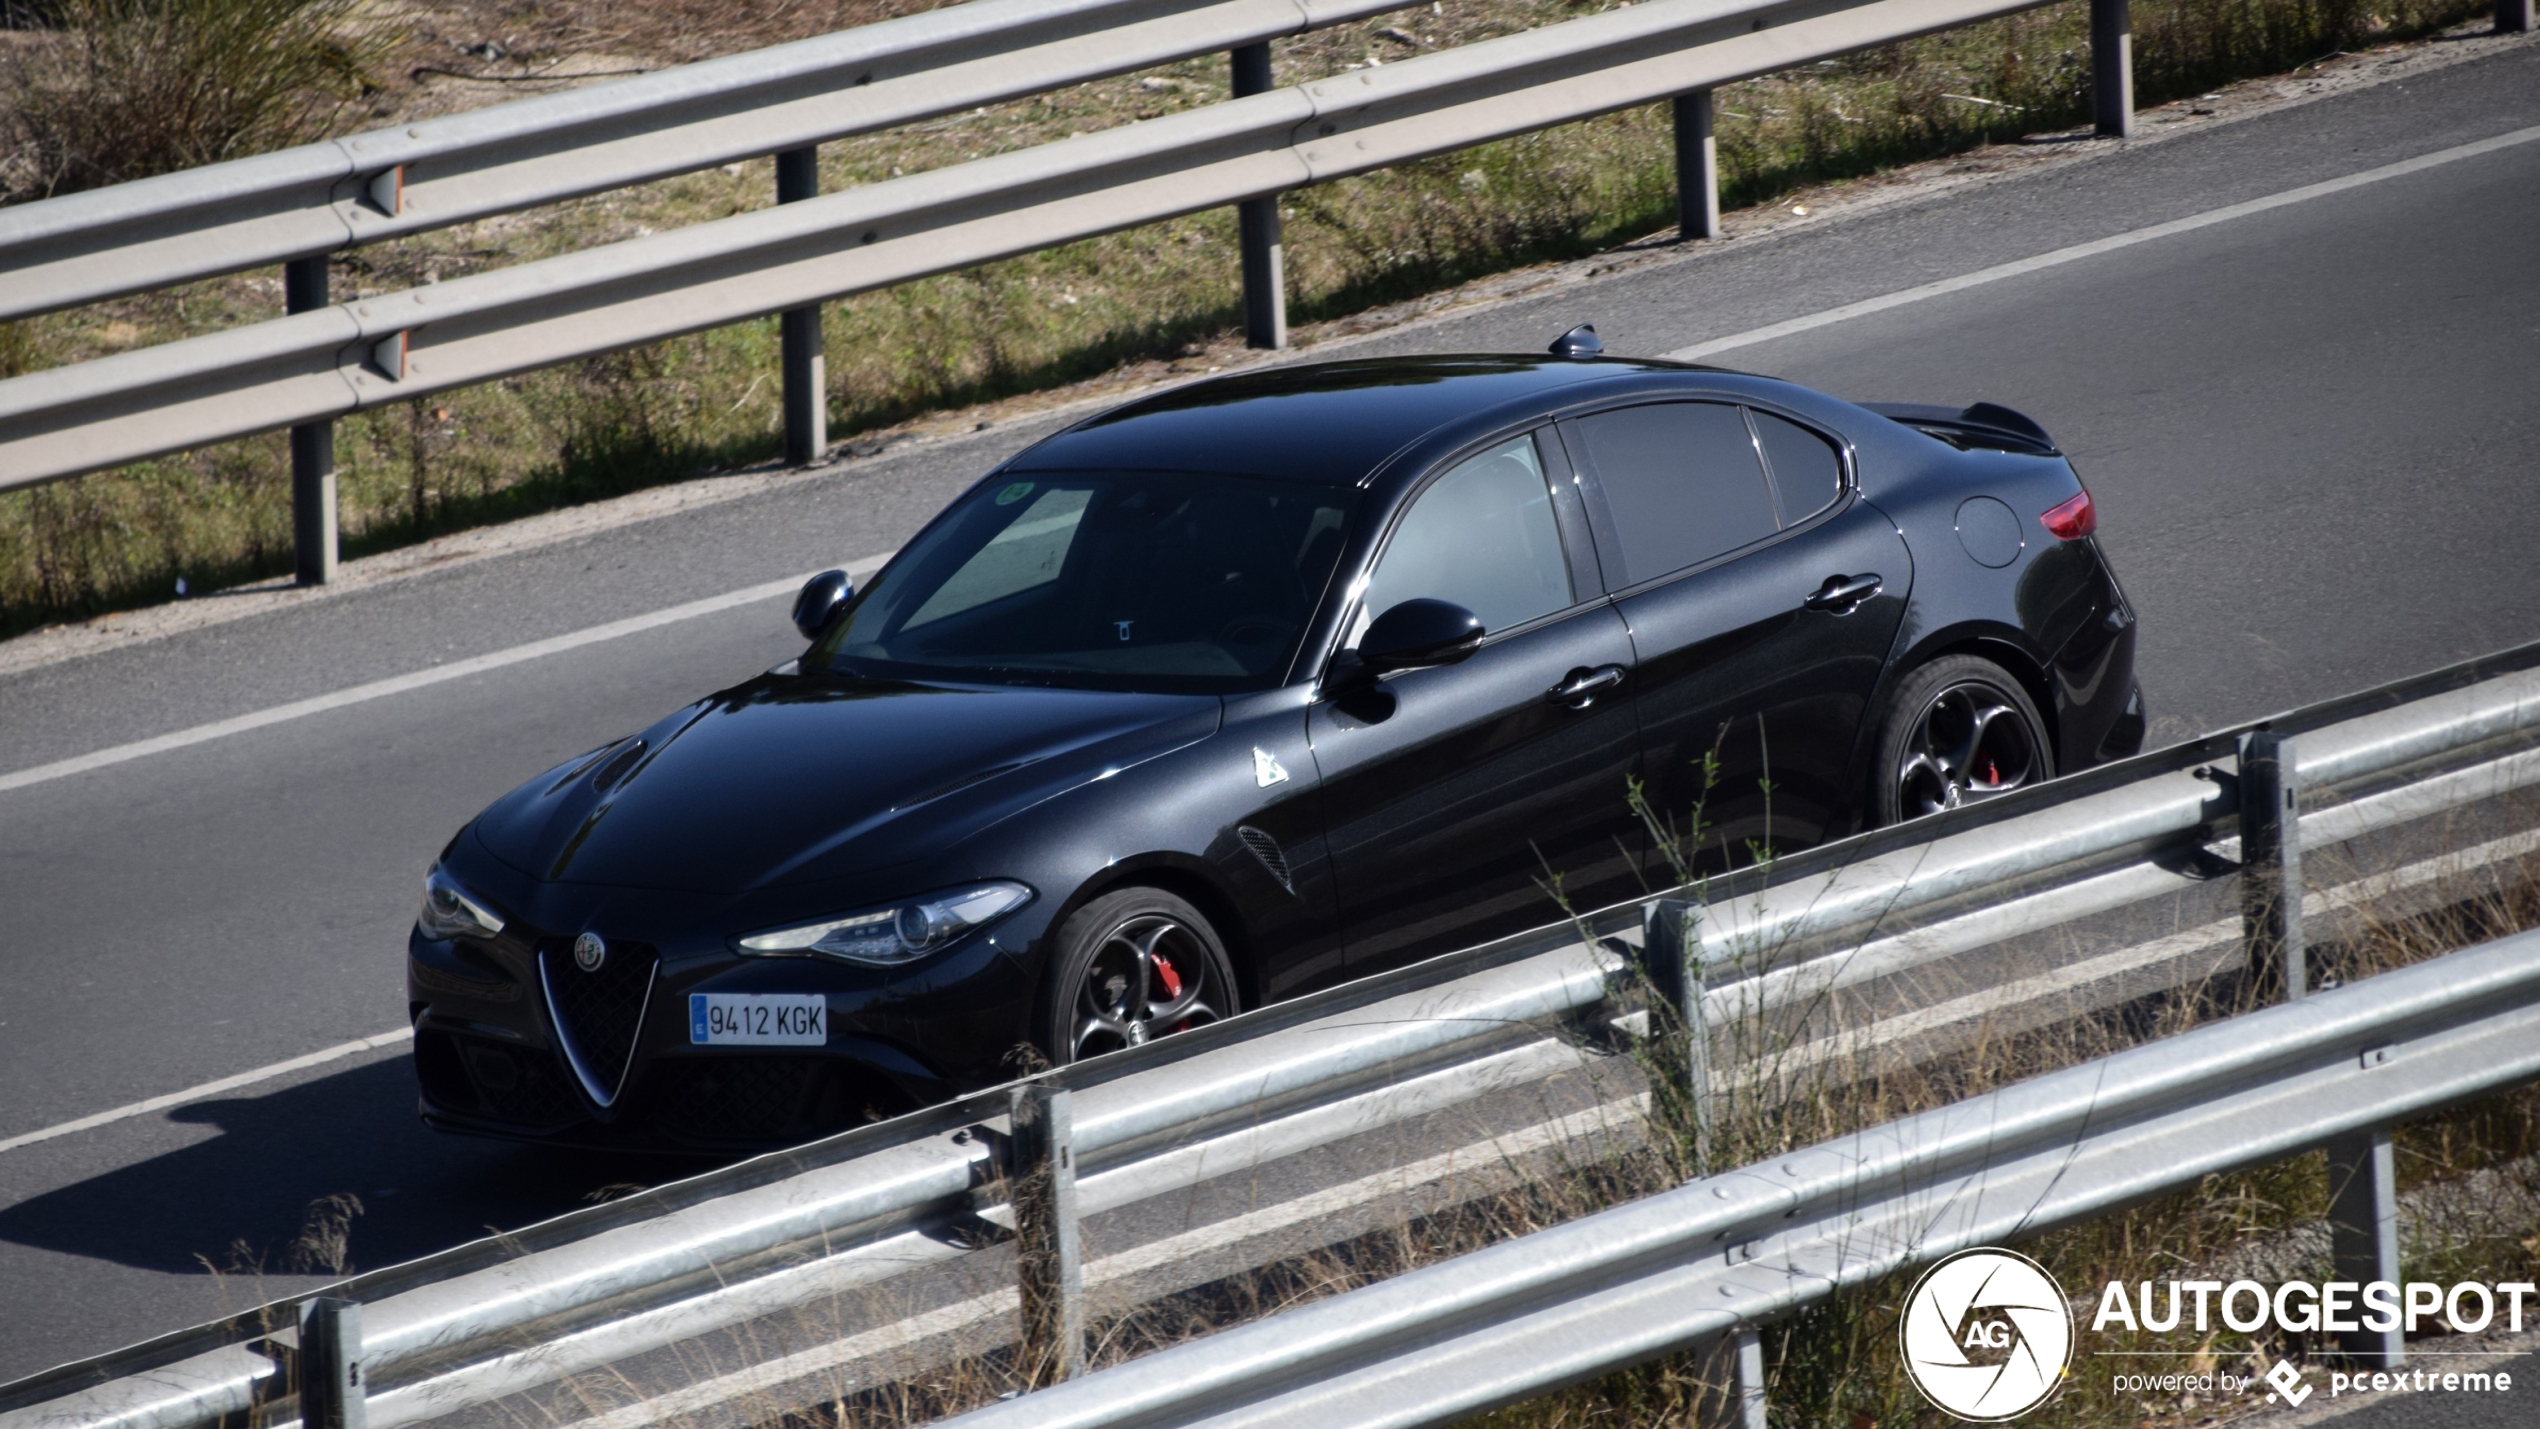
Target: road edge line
{"x":413,"y":680}
{"x":213,"y":1088}
{"x":2057,"y":258}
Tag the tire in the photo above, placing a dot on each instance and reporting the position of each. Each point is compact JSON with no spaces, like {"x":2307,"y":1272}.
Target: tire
{"x":1959,"y":730}
{"x":1131,"y":966}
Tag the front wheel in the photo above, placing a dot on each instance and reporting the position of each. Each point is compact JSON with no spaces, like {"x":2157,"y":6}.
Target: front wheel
{"x":1129,"y":967}
{"x":1959,"y":730}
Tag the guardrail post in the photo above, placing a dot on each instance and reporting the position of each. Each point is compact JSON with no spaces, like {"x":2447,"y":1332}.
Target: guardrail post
{"x":2513,"y":17}
{"x":2112,"y":67}
{"x":312,"y":448}
{"x":1041,"y":1169}
{"x":331,"y":1391}
{"x":1671,"y":958}
{"x":1257,"y":225}
{"x":2271,"y":866}
{"x":1697,"y":168}
{"x":806,"y":364}
{"x":2363,"y":1220}
{"x":1750,"y":1378}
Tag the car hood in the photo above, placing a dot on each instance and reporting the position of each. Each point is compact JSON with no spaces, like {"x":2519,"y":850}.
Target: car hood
{"x":793,"y":779}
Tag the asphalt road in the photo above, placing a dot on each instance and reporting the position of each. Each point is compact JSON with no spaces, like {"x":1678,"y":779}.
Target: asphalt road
{"x":2310,"y":431}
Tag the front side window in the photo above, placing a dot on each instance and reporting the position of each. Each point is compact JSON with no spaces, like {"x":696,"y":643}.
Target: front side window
{"x":1115,"y":580}
{"x":1482,"y":536}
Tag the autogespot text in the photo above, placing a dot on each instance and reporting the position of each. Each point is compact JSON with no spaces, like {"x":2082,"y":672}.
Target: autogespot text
{"x":2314,"y":1307}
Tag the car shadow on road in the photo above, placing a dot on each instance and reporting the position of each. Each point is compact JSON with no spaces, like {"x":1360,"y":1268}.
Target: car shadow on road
{"x":326,"y":1177}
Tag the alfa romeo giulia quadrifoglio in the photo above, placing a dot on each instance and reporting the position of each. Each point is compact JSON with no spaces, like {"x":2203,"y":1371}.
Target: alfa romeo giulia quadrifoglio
{"x":1256,"y":685}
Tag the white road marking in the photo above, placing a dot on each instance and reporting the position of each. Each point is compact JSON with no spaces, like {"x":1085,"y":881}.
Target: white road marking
{"x":416,"y":680}
{"x":419,"y":679}
{"x":318,"y":1058}
{"x":2093,"y":249}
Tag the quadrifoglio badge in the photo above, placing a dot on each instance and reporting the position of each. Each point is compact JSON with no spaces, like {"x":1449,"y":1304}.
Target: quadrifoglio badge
{"x":1988,"y":1335}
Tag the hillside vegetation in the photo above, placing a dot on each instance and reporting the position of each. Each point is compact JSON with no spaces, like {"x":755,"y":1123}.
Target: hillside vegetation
{"x":94,"y":91}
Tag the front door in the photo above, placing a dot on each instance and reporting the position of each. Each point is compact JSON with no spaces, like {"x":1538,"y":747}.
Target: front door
{"x":1457,"y":797}
{"x":1763,"y":595}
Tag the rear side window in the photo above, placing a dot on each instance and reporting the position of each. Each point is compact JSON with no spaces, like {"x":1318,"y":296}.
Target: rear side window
{"x":1482,"y":536}
{"x":1681,"y":484}
{"x":1807,"y":474}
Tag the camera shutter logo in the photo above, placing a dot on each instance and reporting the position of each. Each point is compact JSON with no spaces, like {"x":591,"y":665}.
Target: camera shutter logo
{"x":1987,"y":1335}
{"x":589,"y":952}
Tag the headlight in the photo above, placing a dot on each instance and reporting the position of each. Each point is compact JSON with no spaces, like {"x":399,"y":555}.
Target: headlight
{"x":896,"y":934}
{"x":448,"y":911}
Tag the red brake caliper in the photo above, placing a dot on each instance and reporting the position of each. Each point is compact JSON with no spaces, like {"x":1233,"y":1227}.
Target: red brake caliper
{"x":1172,"y":980}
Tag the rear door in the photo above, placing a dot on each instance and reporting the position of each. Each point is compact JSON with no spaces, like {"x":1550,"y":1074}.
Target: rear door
{"x":1453,"y":794}
{"x":1763,"y":596}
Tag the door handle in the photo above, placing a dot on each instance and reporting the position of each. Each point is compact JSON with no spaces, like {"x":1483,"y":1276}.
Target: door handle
{"x":1583,"y":686}
{"x":1843,"y":594}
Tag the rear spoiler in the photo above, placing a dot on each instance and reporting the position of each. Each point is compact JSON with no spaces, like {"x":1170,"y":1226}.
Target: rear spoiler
{"x":1986,"y":424}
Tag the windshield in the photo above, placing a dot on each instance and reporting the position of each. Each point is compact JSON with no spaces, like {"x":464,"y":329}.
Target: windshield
{"x":1168,"y":581}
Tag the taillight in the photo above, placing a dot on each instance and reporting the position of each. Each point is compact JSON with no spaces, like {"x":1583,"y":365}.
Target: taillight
{"x":2072,"y":520}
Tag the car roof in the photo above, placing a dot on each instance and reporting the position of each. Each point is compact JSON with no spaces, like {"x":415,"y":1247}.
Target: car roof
{"x":1332,"y":422}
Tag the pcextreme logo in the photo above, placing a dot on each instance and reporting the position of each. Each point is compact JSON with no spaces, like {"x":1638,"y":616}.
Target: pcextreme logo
{"x":1987,"y":1335}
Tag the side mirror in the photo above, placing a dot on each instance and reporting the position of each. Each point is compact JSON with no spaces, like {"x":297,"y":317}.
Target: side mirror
{"x":1419,"y":633}
{"x":823,"y":597}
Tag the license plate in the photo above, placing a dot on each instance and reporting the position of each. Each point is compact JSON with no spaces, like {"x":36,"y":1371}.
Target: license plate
{"x":756,"y":1019}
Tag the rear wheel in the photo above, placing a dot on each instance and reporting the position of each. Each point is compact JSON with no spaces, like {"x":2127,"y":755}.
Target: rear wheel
{"x":1132,"y":966}
{"x":1959,"y":730}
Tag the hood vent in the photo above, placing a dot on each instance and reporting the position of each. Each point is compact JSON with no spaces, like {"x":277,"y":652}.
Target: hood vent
{"x":618,"y":765}
{"x":1266,"y":849}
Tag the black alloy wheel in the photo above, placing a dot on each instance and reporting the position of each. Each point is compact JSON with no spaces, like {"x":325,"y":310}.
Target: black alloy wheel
{"x":1133,"y":966}
{"x":1959,"y":730}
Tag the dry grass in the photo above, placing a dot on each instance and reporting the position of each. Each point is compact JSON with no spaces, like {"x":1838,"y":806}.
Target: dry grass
{"x":1165,"y":295}
{"x":140,"y":87}
{"x":2469,"y":1179}
{"x":2469,"y":1176}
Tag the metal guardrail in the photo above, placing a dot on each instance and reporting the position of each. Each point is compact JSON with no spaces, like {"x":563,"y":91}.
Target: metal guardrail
{"x":1717,"y":1255}
{"x":324,"y":363}
{"x":590,"y":1289}
{"x":321,"y":198}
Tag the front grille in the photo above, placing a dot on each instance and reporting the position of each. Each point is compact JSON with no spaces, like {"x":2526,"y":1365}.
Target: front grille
{"x":473,"y":1076}
{"x":760,"y":1101}
{"x":598,"y":1014}
{"x":735,"y":1098}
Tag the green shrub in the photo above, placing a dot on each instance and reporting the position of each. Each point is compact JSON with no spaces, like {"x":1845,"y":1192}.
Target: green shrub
{"x":132,"y":88}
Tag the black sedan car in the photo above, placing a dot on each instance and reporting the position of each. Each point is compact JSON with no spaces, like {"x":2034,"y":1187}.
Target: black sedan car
{"x":1253,"y":686}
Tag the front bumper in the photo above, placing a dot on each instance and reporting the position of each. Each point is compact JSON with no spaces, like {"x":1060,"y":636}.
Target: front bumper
{"x":512,"y":1039}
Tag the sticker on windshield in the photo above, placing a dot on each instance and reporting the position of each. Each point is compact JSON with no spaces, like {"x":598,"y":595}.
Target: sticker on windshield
{"x":1014,"y":493}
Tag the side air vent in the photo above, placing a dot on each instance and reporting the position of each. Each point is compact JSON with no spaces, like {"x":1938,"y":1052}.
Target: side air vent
{"x":1266,"y":849}
{"x":597,"y":1013}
